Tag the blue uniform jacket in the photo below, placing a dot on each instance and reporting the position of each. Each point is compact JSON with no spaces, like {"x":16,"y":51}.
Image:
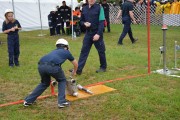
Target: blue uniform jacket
{"x":91,"y":15}
{"x":57,"y":56}
{"x":9,"y":25}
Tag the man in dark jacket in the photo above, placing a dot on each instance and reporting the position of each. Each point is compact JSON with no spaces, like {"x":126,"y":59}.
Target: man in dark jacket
{"x":66,"y":15}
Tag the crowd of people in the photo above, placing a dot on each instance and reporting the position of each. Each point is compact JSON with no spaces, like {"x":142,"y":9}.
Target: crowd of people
{"x":161,"y":6}
{"x":60,"y":18}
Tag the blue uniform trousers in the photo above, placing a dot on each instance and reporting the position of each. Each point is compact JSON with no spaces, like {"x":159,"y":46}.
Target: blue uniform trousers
{"x":46,"y":71}
{"x":127,"y":29}
{"x":58,"y":28}
{"x":13,"y":49}
{"x":87,"y":43}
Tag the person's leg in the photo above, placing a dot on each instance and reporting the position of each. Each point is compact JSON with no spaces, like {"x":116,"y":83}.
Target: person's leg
{"x":108,"y":25}
{"x":45,"y":82}
{"x":125,"y":31}
{"x":131,"y":35}
{"x":62,"y":24}
{"x":68,"y":28}
{"x":58,"y":74}
{"x":87,"y":43}
{"x":58,"y":30}
{"x":11,"y":50}
{"x":16,"y":51}
{"x":101,"y":51}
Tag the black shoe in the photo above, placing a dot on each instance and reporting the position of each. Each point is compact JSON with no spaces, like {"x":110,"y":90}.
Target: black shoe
{"x":11,"y":66}
{"x":63,"y":105}
{"x":135,"y":40}
{"x":100,"y":70}
{"x":119,"y":44}
{"x":17,"y":65}
{"x":78,"y":72}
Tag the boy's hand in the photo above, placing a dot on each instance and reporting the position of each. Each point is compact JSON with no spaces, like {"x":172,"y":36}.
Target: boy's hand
{"x":87,"y":24}
{"x":73,"y":73}
{"x":12,"y":29}
{"x":96,"y":37}
{"x":16,"y":27}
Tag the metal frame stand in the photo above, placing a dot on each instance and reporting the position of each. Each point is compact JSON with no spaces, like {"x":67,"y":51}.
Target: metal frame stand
{"x":165,"y":70}
{"x":176,"y":48}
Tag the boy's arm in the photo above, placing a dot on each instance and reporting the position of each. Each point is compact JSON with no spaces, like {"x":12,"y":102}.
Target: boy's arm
{"x":5,"y":30}
{"x":9,"y":30}
{"x":75,"y":63}
{"x":119,"y":14}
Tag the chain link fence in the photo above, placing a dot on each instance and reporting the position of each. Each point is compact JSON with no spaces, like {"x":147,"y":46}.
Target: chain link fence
{"x":140,"y":14}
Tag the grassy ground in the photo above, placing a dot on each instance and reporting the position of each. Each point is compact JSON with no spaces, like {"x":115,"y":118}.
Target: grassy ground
{"x":150,"y":97}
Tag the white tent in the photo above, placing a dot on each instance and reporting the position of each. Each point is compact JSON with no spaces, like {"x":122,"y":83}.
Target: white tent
{"x":27,"y":11}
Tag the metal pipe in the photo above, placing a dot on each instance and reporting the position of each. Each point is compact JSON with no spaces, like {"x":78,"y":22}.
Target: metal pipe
{"x":164,"y":28}
{"x":13,"y":8}
{"x":39,"y":4}
{"x":72,"y":19}
{"x":148,"y":37}
{"x":175,"y":55}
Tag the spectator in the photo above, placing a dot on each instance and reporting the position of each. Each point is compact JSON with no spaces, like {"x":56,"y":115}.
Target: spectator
{"x":11,"y":27}
{"x":52,"y":22}
{"x":175,"y":7}
{"x":106,"y":12}
{"x":66,"y":15}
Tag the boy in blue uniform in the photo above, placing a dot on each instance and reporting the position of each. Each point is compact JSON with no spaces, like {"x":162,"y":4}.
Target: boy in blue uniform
{"x":92,"y":17}
{"x":50,"y":66}
{"x":11,"y":27}
{"x":127,"y":15}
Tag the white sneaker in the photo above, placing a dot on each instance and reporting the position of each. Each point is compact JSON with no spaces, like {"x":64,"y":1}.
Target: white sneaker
{"x":26,"y":104}
{"x":63,"y":105}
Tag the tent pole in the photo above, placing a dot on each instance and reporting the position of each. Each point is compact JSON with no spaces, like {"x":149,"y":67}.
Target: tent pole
{"x":13,"y":8}
{"x":72,"y":18}
{"x":39,"y":4}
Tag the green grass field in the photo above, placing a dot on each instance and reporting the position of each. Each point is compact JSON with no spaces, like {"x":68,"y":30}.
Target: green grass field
{"x":150,"y":97}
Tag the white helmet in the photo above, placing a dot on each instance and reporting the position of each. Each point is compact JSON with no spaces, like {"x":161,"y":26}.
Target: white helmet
{"x":7,"y":11}
{"x":62,"y":42}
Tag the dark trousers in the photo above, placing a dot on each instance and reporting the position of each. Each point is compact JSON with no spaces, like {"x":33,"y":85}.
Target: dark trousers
{"x":13,"y":49}
{"x":67,"y":25}
{"x":46,"y":71}
{"x":52,"y":31}
{"x":126,"y":29}
{"x":58,"y":28}
{"x":87,"y":43}
{"x":108,"y":24}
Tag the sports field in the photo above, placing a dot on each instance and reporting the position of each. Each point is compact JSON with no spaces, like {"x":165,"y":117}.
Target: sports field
{"x":152,"y":96}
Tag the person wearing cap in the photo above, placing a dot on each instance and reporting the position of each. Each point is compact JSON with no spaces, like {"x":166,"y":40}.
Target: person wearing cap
{"x":50,"y":66}
{"x":11,"y":27}
{"x":127,"y":15}
{"x":52,"y":22}
{"x":92,"y":17}
{"x":66,"y":15}
{"x":106,"y":12}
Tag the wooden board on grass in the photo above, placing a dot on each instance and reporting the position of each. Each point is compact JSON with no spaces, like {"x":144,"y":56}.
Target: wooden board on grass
{"x":98,"y":89}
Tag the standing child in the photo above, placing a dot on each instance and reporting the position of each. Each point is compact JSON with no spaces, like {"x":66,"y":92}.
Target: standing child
{"x":11,"y":27}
